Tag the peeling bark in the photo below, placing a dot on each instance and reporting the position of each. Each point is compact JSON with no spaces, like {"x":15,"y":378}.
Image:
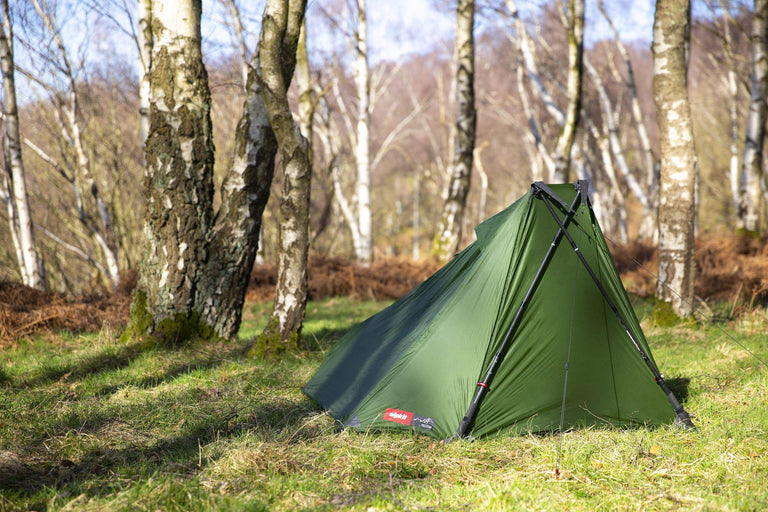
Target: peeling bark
{"x":198,"y":265}
{"x":179,"y":155}
{"x":677,"y":214}
{"x":281,"y":27}
{"x":449,"y":231}
{"x":244,"y":195}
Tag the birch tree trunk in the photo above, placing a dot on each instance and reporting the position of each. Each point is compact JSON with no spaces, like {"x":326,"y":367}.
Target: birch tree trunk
{"x":364,"y":245}
{"x":573,"y":91}
{"x":244,"y":195}
{"x":200,"y":281}
{"x":648,"y":226}
{"x":448,"y":236}
{"x":677,"y":208}
{"x":178,"y":184}
{"x":750,"y":192}
{"x":280,"y":30}
{"x":30,"y":263}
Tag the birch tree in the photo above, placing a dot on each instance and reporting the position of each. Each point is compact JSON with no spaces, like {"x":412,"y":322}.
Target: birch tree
{"x":63,"y":82}
{"x":752,"y":173}
{"x":649,"y":192}
{"x":677,"y":207}
{"x":573,"y":91}
{"x":449,"y":231}
{"x":14,"y":187}
{"x":526,"y":49}
{"x":198,"y":264}
{"x":178,"y":184}
{"x":364,"y":251}
{"x":280,"y":31}
{"x":144,"y":41}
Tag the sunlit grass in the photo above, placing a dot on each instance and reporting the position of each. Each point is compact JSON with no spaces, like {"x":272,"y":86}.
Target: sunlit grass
{"x":89,"y":424}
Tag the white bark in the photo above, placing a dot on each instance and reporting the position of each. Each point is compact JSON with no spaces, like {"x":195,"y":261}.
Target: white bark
{"x":280,"y":34}
{"x":30,"y":263}
{"x":752,"y":172}
{"x":449,"y":231}
{"x":68,"y":116}
{"x":649,"y":161}
{"x":478,"y":161}
{"x":617,"y":151}
{"x":239,"y":36}
{"x":677,"y":200}
{"x":575,"y":33}
{"x":364,"y":247}
{"x":526,"y":49}
{"x":531,"y":68}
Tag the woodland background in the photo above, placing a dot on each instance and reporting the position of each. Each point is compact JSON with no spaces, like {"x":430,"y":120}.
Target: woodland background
{"x":78,"y":100}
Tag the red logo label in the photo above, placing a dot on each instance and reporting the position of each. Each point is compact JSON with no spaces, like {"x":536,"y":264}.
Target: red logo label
{"x":398,"y":416}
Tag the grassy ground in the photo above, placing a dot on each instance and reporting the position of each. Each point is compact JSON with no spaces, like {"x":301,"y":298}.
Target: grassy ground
{"x":89,"y":424}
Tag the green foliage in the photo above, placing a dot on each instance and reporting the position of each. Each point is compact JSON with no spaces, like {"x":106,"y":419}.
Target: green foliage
{"x":90,"y":423}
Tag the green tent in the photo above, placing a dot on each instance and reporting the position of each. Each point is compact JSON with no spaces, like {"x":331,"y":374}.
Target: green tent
{"x":526,"y":328}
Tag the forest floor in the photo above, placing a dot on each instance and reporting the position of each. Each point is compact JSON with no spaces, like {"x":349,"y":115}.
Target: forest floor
{"x":732,"y":273}
{"x":89,"y":423}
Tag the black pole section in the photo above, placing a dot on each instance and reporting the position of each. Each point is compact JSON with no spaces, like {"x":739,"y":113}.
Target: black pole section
{"x":683,"y":417}
{"x":482,"y":386}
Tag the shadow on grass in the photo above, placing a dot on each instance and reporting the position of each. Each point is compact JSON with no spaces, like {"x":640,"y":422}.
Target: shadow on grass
{"x":103,"y":471}
{"x":679,"y":386}
{"x":98,"y":364}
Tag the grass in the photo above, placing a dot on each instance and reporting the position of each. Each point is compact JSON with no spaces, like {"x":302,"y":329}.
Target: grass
{"x":89,"y":424}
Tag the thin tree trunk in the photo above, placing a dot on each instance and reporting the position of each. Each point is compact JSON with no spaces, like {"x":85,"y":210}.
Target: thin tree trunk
{"x":239,"y":36}
{"x":573,"y":91}
{"x":731,"y":82}
{"x":448,"y":236}
{"x":648,"y":226}
{"x":613,"y":139}
{"x":364,"y":250}
{"x":478,"y":160}
{"x":416,"y":252}
{"x":751,"y":201}
{"x":279,"y":38}
{"x":68,"y":117}
{"x":677,"y":206}
{"x":30,"y":263}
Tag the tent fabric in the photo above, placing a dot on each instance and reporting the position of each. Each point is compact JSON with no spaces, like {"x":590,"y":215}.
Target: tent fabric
{"x":417,"y":364}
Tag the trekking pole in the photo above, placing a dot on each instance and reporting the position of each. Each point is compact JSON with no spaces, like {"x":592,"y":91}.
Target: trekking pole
{"x":683,"y":417}
{"x":483,"y":385}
